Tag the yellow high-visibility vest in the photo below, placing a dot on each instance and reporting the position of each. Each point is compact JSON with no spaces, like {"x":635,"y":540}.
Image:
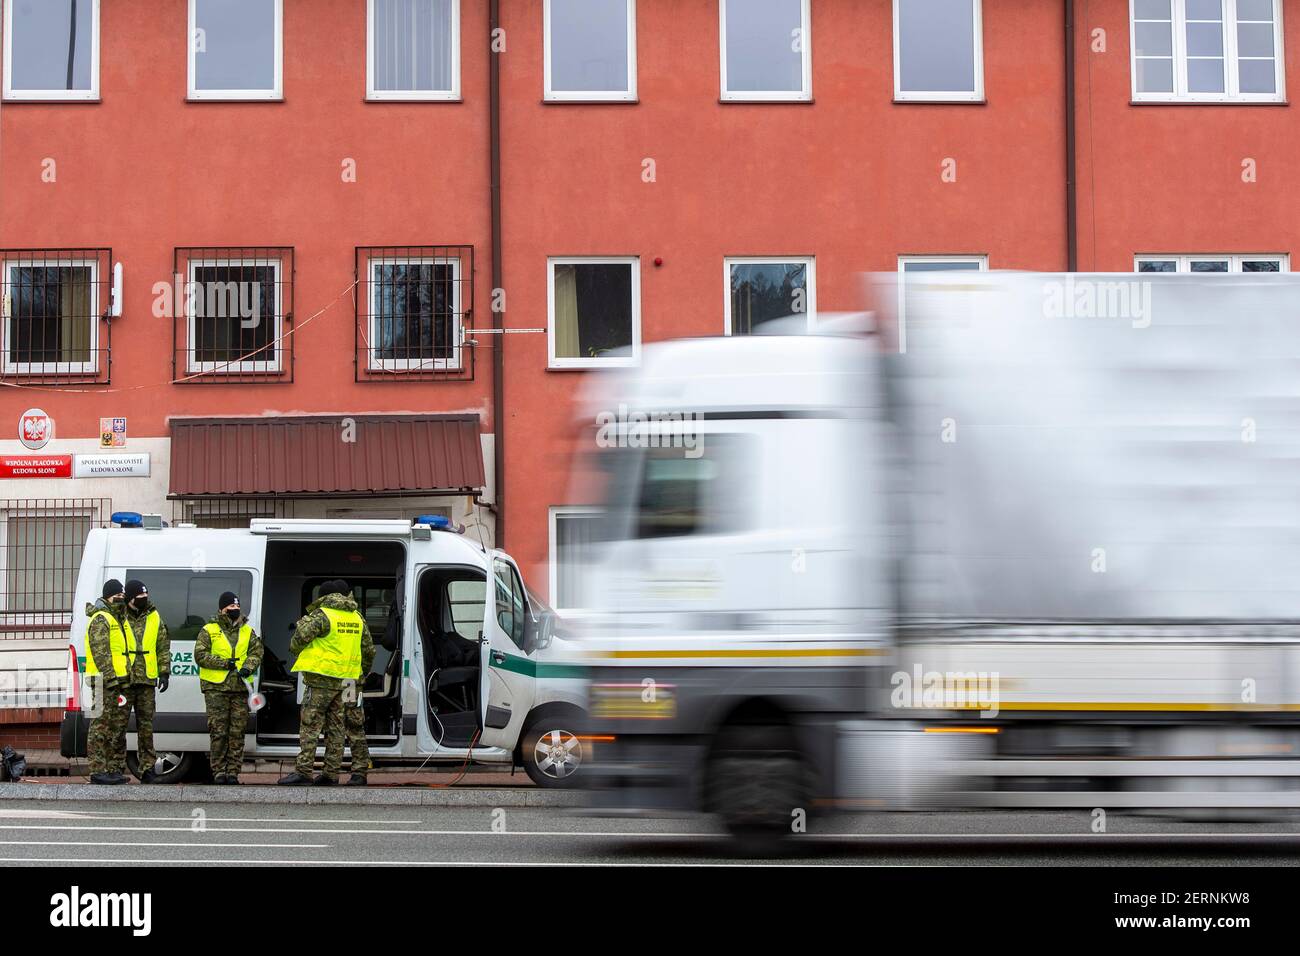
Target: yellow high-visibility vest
{"x":122,"y":643}
{"x":221,"y":648}
{"x":338,"y":652}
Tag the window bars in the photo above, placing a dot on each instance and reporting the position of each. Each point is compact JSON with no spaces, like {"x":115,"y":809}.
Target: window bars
{"x":228,"y":512}
{"x":41,"y":542}
{"x":55,"y":305}
{"x":232,"y":314}
{"x":414,"y":313}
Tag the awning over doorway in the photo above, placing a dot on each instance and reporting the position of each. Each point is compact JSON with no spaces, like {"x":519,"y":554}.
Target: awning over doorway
{"x":325,"y":455}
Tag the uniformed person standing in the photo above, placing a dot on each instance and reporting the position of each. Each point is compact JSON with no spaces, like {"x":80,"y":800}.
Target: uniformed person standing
{"x":127,"y":650}
{"x":227,"y":651}
{"x":332,"y":645}
{"x":107,"y":672}
{"x":151,"y":665}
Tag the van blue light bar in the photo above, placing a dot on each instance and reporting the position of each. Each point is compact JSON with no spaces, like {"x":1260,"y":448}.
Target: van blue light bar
{"x":128,"y":519}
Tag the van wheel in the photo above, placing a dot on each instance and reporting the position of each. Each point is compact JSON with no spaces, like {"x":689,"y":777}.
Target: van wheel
{"x":175,"y":767}
{"x":756,"y":781}
{"x":551,"y":751}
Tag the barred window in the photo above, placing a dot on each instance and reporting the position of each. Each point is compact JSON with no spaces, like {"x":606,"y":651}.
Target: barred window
{"x":235,"y":314}
{"x":54,"y":304}
{"x":412,"y":310}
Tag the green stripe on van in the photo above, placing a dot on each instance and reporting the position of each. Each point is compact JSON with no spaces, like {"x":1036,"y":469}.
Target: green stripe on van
{"x":529,"y":668}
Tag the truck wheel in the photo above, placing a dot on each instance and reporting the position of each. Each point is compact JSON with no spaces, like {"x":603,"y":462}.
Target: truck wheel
{"x":176,"y":767}
{"x":551,"y":751}
{"x":756,"y":781}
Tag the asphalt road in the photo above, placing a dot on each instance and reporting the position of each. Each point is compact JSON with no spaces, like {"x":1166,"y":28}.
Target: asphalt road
{"x":69,"y":833}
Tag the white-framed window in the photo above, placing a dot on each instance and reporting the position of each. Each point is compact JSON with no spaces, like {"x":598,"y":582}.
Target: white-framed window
{"x":51,"y":50}
{"x":938,"y":50}
{"x":920,"y":265}
{"x":593,"y":308}
{"x":1207,"y":51}
{"x":51,"y":316}
{"x":234,"y":315}
{"x":412,"y":49}
{"x":41,"y":543}
{"x":415,"y":313}
{"x":1212,"y":263}
{"x":590,"y":49}
{"x":762,"y":289}
{"x":236,"y":49}
{"x":573,"y":537}
{"x":766,"y":49}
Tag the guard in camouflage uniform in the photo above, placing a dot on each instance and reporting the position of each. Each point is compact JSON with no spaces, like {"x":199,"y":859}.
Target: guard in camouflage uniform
{"x":332,"y":646}
{"x":227,"y":651}
{"x":127,"y":651}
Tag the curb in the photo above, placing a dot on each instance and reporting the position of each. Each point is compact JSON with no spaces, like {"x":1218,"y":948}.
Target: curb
{"x":270,"y":794}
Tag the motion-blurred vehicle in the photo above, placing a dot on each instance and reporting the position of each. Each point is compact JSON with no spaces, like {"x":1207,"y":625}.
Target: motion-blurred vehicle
{"x":1047,"y":556}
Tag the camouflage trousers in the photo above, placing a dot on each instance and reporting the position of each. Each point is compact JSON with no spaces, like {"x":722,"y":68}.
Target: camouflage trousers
{"x":227,"y":722}
{"x":354,"y":729}
{"x":106,"y":741}
{"x":322,"y":711}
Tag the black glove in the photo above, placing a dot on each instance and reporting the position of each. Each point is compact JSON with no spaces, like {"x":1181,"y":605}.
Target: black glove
{"x":163,"y":681}
{"x":231,"y":665}
{"x":244,"y":672}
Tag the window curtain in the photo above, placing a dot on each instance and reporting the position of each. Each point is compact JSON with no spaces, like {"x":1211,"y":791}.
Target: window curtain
{"x":74,"y":314}
{"x":566,"y":312}
{"x":413,"y":44}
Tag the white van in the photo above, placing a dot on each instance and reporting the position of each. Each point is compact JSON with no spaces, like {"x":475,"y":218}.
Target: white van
{"x":451,"y":667}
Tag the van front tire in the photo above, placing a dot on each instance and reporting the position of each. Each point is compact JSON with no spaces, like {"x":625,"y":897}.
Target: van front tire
{"x":551,"y":751}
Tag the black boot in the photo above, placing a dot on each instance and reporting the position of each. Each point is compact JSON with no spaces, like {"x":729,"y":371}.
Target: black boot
{"x":295,"y":779}
{"x":357,"y":780}
{"x":232,"y":779}
{"x":107,"y":778}
{"x":220,"y":779}
{"x":149,"y":776}
{"x":325,"y":780}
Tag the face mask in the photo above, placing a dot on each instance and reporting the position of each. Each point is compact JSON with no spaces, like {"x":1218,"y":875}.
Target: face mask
{"x":139,"y":605}
{"x":234,"y":614}
{"x":116,"y":601}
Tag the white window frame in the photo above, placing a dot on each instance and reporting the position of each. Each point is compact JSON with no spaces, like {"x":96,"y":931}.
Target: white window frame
{"x":590,"y":96}
{"x":940,"y":96}
{"x":424,"y":96}
{"x":47,"y":508}
{"x":555,"y":512}
{"x":809,"y":263}
{"x":1184,"y":262}
{"x":192,"y":365}
{"x":620,"y":361}
{"x":18,"y":95}
{"x":407,"y":364}
{"x":50,"y":368}
{"x":1232,"y":79}
{"x":767,"y":96}
{"x":277,"y":93}
{"x":979,"y":257}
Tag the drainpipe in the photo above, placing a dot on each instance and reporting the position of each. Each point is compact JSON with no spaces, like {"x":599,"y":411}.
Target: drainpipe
{"x":1071,"y":199}
{"x":498,"y":317}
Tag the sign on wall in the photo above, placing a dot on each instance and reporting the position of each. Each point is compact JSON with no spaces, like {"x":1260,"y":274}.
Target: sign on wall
{"x":111,"y":466}
{"x":35,"y":428}
{"x":35,"y":466}
{"x":112,"y":432}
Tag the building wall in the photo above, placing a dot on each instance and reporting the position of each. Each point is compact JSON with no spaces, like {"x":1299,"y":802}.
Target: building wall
{"x":851,"y":178}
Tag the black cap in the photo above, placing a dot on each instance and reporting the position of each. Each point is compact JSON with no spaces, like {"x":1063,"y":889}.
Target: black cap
{"x":227,"y":598}
{"x":337,"y":586}
{"x":112,"y":588}
{"x":134,"y":588}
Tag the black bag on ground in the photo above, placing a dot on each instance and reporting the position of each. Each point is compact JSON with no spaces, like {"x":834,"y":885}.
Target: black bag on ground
{"x":15,"y":764}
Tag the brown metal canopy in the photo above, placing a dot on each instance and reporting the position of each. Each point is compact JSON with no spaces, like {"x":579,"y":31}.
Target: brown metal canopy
{"x":308,"y":455}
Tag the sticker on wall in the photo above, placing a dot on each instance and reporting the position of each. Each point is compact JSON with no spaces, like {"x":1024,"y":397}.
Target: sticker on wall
{"x":112,"y":432}
{"x":35,"y":429}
